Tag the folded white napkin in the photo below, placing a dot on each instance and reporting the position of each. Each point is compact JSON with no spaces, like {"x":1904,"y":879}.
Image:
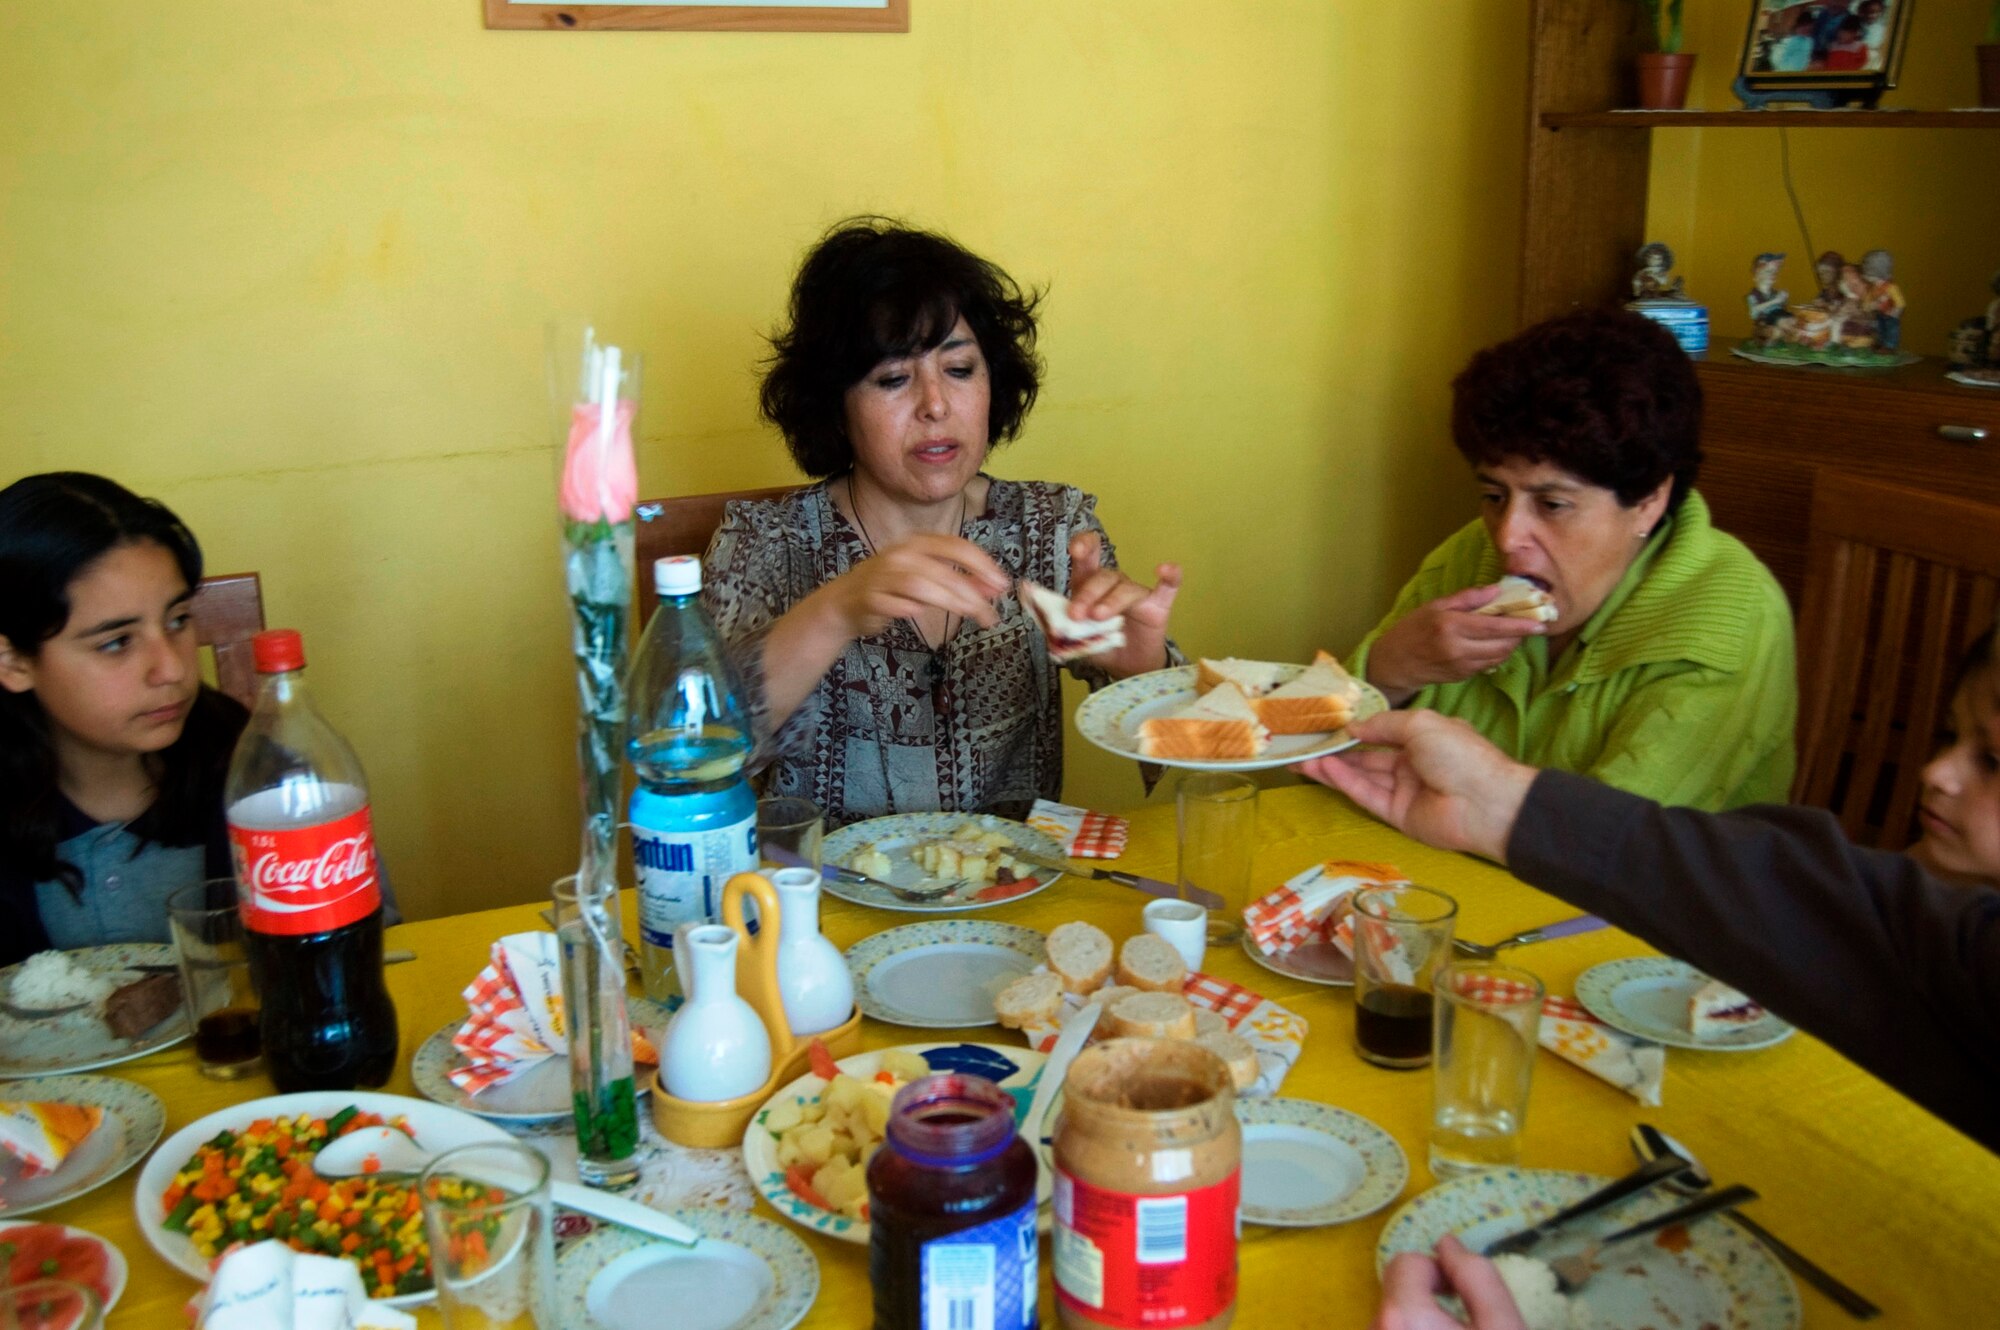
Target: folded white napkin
{"x":268,"y":1286}
{"x":516,"y":1016}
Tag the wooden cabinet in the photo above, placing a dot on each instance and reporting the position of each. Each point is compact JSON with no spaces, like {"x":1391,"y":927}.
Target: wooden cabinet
{"x":1769,"y":430}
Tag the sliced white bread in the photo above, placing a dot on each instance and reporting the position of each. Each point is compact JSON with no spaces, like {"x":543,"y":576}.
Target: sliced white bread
{"x":1209,"y":1022}
{"x":1520,"y":599}
{"x":1321,"y":698}
{"x":1254,"y":677}
{"x":1080,"y":955}
{"x":1033,"y":999}
{"x":1149,"y":1016}
{"x":1715,"y":1008}
{"x":1109,"y":994}
{"x":1069,"y":637}
{"x":1236,"y":1052}
{"x":1151,"y":963}
{"x":1220,"y":725}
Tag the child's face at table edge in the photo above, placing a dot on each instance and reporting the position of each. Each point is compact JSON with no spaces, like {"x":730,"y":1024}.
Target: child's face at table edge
{"x":121,"y":673}
{"x":1960,"y":811}
{"x":918,"y":424}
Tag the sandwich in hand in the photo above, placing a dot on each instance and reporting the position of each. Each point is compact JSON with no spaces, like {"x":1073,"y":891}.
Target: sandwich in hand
{"x":1220,"y":725}
{"x":1254,"y":677}
{"x":1322,"y":698}
{"x":1520,"y":598}
{"x":1070,"y":637}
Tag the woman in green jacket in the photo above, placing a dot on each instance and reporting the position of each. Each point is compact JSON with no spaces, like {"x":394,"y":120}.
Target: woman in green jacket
{"x":1668,"y":670}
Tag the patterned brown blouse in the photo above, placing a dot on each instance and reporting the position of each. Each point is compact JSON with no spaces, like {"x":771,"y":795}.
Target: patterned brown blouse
{"x":875,"y":736}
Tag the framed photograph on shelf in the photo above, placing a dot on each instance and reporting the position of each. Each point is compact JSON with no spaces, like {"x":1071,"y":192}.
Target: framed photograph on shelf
{"x":713,"y":16}
{"x":1823,"y":53}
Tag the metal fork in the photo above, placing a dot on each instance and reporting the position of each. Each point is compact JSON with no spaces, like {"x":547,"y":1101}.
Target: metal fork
{"x":1486,"y":951}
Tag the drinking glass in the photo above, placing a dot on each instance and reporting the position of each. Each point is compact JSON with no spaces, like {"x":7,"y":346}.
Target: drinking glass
{"x":1216,"y":814}
{"x":789,"y":833}
{"x":1402,"y":937}
{"x":1488,"y":1017}
{"x":602,"y":1090}
{"x":216,"y":983}
{"x":489,"y":1218}
{"x":51,"y":1304}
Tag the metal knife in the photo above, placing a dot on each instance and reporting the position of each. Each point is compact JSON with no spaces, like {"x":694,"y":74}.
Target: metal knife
{"x":1152,"y":886}
{"x":1640,"y":1179}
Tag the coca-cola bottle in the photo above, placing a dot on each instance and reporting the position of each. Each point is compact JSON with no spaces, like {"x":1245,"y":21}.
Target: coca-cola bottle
{"x":308,"y":886}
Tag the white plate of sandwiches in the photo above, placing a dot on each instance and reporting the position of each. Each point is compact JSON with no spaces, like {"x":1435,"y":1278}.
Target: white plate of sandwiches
{"x":115,"y":1002}
{"x":1229,"y":714}
{"x":1671,"y":1002}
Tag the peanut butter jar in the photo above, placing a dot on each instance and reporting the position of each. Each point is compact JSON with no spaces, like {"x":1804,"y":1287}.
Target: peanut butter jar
{"x":1149,"y":1163}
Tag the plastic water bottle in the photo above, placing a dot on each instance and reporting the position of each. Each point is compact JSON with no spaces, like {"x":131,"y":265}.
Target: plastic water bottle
{"x":694,"y":818}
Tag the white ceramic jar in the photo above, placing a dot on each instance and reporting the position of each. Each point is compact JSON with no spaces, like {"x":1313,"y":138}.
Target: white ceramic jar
{"x":716,"y":1046}
{"x":813,"y":981}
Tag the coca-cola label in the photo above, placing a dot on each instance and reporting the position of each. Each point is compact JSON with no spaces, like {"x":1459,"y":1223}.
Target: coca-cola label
{"x":306,"y":879}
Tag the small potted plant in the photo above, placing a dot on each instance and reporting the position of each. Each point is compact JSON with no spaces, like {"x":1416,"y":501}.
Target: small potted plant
{"x":1989,"y":61}
{"x":1664,"y":69}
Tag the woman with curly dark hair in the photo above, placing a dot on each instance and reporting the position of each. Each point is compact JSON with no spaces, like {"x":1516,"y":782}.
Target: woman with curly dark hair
{"x":874,"y":613}
{"x":1668,"y":668}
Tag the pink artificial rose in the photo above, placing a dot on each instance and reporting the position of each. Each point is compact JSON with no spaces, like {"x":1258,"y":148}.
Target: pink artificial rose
{"x":600,"y":482}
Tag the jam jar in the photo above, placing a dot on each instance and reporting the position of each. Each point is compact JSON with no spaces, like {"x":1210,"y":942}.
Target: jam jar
{"x":951,"y":1211}
{"x":1149,"y":1163}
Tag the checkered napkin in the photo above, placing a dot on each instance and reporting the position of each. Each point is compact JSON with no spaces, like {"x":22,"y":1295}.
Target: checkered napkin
{"x":1305,"y":909}
{"x":1636,"y":1066}
{"x":1083,"y":834}
{"x":1276,"y":1032}
{"x":517,"y":1013}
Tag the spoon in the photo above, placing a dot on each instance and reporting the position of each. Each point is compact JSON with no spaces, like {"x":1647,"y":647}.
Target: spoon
{"x":1649,"y":1142}
{"x":386,"y":1152}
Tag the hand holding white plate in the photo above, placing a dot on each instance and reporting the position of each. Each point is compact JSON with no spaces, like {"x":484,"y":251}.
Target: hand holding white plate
{"x":1111,"y":716}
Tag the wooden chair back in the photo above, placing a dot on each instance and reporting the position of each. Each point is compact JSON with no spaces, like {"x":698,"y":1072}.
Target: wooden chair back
{"x":228,"y":612}
{"x":1898,"y":583}
{"x":684,"y":525}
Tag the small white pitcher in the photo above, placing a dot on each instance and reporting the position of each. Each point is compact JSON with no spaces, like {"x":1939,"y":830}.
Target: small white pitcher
{"x":813,"y":981}
{"x":716,"y":1047}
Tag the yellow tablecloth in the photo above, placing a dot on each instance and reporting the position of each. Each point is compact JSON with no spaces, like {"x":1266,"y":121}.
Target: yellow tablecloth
{"x":1902,"y":1207}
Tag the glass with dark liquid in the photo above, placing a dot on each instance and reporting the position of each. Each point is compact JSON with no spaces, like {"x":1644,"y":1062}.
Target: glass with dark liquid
{"x":216,"y":981}
{"x":1402,"y":937}
{"x":951,"y":1211}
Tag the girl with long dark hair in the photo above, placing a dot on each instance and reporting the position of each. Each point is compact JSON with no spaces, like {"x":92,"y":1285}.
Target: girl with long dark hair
{"x":112,"y":750}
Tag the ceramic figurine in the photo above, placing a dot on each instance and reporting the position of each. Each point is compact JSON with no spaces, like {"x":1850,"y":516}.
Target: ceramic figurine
{"x":1827,"y":268}
{"x":1767,"y":303}
{"x":1975,"y":343}
{"x":1653,"y":281}
{"x":813,"y":981}
{"x":1885,"y":299}
{"x":716,"y":1047}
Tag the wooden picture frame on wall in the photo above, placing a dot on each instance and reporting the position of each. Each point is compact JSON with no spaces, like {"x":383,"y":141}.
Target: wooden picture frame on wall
{"x":725,"y":16}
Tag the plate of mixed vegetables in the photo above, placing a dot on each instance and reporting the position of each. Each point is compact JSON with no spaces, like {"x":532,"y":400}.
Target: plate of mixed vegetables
{"x":244,"y":1174}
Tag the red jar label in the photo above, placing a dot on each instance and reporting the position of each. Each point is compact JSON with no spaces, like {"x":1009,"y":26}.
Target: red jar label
{"x":1138,"y":1262}
{"x":306,"y":879}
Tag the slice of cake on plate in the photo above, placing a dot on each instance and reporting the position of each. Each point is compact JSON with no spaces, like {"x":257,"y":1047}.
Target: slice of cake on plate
{"x":1716,"y":1009}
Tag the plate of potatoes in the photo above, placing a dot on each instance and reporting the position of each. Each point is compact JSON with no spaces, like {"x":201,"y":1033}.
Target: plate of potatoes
{"x":807,"y":1148}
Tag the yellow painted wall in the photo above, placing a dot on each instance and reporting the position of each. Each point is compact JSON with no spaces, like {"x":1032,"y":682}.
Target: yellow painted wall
{"x":286,"y":265}
{"x":1931,"y":197}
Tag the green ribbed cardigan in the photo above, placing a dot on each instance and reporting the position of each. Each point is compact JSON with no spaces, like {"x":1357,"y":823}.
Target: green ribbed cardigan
{"x":1681,"y":688}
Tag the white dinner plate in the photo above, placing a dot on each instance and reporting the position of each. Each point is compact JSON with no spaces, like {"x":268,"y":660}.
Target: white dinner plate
{"x":941,"y":974}
{"x":746,"y":1273}
{"x":1306,"y":1164}
{"x":1722,"y":1278}
{"x":899,"y":833}
{"x":1647,"y":996}
{"x":433,"y":1126}
{"x":1111,"y":716}
{"x":1014,"y":1070}
{"x":78,"y":1040}
{"x":1316,"y":963}
{"x":134,"y":1118}
{"x":538,"y":1094}
{"x":116,"y":1272}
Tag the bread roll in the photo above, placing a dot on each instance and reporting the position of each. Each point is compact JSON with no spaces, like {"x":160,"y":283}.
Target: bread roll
{"x":1080,"y":955}
{"x":1033,"y":999}
{"x":1237,"y":1053}
{"x":1151,"y":963}
{"x":1149,"y":1016}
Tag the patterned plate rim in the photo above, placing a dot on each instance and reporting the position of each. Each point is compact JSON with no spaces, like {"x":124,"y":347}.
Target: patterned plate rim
{"x":788,"y":1304}
{"x":838,"y":844}
{"x":1378,"y":1188}
{"x":434,"y":1057}
{"x":1100,"y":717}
{"x":871,"y":951}
{"x":1601,"y":981}
{"x":1732,"y":1256}
{"x":144,"y":1127}
{"x":760,"y":1154}
{"x":147,"y":953}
